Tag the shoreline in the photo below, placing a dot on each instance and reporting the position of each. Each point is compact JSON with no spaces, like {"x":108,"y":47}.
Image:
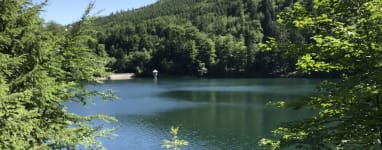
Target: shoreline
{"x":119,"y":76}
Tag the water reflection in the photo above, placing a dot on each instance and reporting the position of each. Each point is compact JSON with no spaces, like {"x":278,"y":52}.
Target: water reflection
{"x":212,"y":113}
{"x":217,"y":126}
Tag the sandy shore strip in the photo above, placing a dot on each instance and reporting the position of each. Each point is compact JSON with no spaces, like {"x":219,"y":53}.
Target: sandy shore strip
{"x":119,"y":76}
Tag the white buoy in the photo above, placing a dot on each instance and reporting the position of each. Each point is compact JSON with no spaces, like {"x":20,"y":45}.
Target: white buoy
{"x":155,"y":73}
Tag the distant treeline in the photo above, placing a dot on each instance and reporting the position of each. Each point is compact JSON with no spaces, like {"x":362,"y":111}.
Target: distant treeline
{"x":199,"y":38}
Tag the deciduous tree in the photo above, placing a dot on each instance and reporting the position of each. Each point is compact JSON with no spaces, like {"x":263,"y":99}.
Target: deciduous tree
{"x":346,"y":36}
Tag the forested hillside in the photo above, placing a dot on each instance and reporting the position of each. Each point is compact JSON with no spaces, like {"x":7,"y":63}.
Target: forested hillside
{"x":199,"y":37}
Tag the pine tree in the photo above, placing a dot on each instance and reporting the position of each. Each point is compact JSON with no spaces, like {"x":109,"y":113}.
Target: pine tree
{"x":39,"y":71}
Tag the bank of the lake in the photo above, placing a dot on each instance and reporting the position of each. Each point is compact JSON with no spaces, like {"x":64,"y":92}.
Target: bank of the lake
{"x":119,"y":76}
{"x":212,"y":113}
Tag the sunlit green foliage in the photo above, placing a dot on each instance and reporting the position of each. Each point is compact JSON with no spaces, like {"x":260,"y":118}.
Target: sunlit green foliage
{"x":175,"y":143}
{"x":346,"y":36}
{"x":186,"y":37}
{"x":41,"y":67}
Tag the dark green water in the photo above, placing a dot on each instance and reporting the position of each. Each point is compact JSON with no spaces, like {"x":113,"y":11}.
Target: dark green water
{"x":211,"y":113}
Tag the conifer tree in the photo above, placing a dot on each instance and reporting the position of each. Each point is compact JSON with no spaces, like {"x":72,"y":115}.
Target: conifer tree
{"x":39,"y":71}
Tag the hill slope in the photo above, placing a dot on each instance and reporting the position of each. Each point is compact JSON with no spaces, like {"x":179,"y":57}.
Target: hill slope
{"x":196,"y":37}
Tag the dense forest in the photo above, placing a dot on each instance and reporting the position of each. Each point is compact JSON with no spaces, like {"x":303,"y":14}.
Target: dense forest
{"x":267,"y":38}
{"x":45,"y":65}
{"x":199,"y":38}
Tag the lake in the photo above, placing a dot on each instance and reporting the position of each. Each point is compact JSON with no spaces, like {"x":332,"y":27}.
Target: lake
{"x":211,"y":113}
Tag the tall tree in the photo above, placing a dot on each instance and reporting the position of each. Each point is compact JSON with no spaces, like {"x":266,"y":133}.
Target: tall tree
{"x":39,"y":71}
{"x":346,"y":36}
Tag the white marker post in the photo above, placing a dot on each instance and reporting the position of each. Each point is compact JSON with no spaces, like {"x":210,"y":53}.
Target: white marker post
{"x":155,"y":73}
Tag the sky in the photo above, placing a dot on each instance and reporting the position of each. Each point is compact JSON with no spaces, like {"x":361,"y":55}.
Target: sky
{"x":69,"y":11}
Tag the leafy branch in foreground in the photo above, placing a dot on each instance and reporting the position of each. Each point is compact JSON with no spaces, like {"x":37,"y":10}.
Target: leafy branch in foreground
{"x":345,"y":36}
{"x":175,"y":143}
{"x":39,"y":71}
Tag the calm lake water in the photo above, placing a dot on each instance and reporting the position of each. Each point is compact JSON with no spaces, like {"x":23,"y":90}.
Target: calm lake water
{"x":211,"y":113}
